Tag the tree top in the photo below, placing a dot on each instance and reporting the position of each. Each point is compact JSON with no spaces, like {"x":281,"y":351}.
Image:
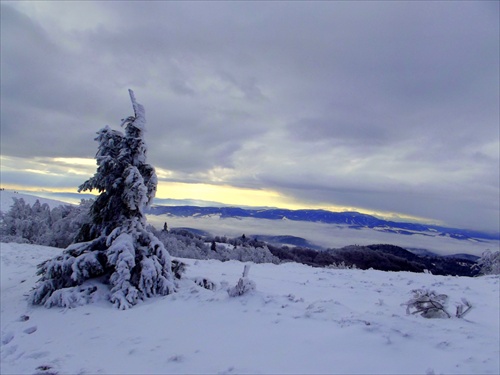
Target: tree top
{"x":139,"y":112}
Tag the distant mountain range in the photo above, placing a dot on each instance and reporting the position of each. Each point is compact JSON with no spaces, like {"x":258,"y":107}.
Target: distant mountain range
{"x":354,"y":220}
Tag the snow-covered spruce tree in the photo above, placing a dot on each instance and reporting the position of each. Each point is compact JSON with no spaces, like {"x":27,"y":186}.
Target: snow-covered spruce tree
{"x":115,"y":247}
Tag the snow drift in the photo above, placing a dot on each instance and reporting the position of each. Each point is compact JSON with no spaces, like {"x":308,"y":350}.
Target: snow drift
{"x":298,"y":319}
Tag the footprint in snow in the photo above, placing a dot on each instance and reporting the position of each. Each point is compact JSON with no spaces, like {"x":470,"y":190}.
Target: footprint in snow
{"x":8,"y":351}
{"x":229,"y":370}
{"x":7,"y":337}
{"x":176,"y":358}
{"x":30,"y":330}
{"x":46,"y":370}
{"x":37,"y":355}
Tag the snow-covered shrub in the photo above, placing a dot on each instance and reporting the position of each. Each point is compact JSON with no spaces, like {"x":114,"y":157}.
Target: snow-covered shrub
{"x":429,"y":304}
{"x":178,"y":268}
{"x":243,"y":253}
{"x":10,"y":238}
{"x":184,"y":244}
{"x":67,"y":221}
{"x":205,"y":283}
{"x":341,"y":266}
{"x":489,"y":263}
{"x":244,"y":285}
{"x":23,"y":221}
{"x":115,"y":245}
{"x":39,"y":225}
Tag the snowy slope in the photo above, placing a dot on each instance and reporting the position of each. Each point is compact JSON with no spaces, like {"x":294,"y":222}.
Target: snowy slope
{"x":6,"y":200}
{"x":299,"y":320}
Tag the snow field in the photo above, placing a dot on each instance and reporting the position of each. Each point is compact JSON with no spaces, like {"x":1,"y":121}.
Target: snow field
{"x":299,"y":320}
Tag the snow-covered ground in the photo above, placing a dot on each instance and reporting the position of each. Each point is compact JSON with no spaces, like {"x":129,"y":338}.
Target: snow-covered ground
{"x":299,"y":320}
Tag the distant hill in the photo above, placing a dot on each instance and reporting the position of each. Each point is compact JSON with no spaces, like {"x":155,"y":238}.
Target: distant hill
{"x":7,"y":198}
{"x":354,"y":220}
{"x":384,"y":257}
{"x":287,"y":240}
{"x":381,"y":257}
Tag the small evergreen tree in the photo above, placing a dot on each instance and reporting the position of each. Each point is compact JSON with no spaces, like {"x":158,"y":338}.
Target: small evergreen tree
{"x":26,"y":224}
{"x":115,"y":247}
{"x":16,"y":222}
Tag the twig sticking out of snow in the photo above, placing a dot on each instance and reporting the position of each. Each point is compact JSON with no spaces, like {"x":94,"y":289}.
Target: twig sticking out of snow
{"x":460,"y":308}
{"x":429,"y":304}
{"x":246,"y":269}
{"x":244,"y":285}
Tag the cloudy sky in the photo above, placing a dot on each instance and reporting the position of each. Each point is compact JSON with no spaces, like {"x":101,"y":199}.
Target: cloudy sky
{"x":383,"y":107}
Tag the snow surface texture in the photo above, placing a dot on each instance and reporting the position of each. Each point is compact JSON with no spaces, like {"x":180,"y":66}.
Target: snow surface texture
{"x":299,"y":319}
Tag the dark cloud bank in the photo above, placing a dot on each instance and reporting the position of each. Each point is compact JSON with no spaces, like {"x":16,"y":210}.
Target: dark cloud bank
{"x":389,"y":106}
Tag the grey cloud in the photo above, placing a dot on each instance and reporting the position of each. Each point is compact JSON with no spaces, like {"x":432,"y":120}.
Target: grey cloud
{"x":447,"y":206}
{"x":181,"y":87}
{"x":42,"y":96}
{"x":337,"y":102}
{"x":23,"y":178}
{"x":340,"y":130}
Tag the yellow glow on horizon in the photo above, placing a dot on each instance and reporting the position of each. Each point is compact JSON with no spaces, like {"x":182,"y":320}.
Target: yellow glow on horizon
{"x":36,"y":171}
{"x":163,"y":173}
{"x":218,"y":193}
{"x":263,"y":198}
{"x":77,"y":161}
{"x":235,"y":196}
{"x":40,"y":189}
{"x":49,"y":166}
